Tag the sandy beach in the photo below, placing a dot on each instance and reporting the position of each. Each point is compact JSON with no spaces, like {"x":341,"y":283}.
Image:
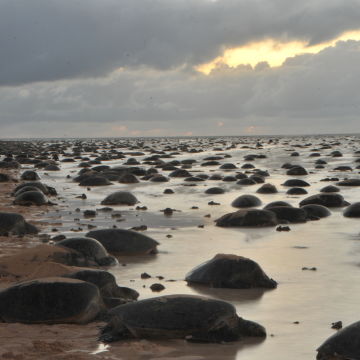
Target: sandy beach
{"x":297,"y":315}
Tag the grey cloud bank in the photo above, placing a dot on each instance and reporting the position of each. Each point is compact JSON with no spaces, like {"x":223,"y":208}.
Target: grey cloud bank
{"x":42,"y":40}
{"x":120,"y":68}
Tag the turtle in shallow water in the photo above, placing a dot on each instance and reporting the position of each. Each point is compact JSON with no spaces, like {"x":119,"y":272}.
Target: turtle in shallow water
{"x":193,"y":318}
{"x":344,"y":345}
{"x":31,"y":198}
{"x":51,"y":301}
{"x":230,"y":271}
{"x":124,"y":242}
{"x":107,"y":285}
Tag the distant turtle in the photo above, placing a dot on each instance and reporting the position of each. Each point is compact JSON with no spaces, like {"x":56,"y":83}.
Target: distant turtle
{"x":246,"y":200}
{"x":12,"y":223}
{"x":248,"y":218}
{"x":353,"y":210}
{"x":325,"y":199}
{"x":106,"y":283}
{"x":315,"y":211}
{"x":30,"y":175}
{"x":230,"y":271}
{"x":187,"y":317}
{"x":92,"y":249}
{"x":31,"y":198}
{"x":50,"y":301}
{"x":124,"y":242}
{"x":42,"y":187}
{"x":95,"y":180}
{"x":343,"y":345}
{"x":287,"y":214}
{"x":120,"y":198}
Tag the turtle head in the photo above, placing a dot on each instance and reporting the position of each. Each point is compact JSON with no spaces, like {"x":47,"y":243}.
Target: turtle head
{"x":250,"y":328}
{"x":107,"y":261}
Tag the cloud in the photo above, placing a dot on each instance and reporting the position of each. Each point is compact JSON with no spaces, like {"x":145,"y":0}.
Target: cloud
{"x":49,"y":40}
{"x":309,"y":93}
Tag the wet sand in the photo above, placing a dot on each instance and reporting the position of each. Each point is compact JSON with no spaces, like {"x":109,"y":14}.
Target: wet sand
{"x":297,"y":315}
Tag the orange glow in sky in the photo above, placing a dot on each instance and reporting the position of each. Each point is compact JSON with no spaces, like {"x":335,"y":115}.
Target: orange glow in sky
{"x":272,"y":51}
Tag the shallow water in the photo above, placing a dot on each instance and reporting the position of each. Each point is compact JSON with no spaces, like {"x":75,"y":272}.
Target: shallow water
{"x":315,"y":299}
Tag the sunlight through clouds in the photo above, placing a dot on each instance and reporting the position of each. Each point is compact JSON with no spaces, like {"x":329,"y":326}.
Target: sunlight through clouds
{"x":271,"y":51}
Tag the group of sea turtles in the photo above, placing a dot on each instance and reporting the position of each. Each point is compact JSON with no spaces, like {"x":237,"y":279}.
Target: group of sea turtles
{"x":91,"y":293}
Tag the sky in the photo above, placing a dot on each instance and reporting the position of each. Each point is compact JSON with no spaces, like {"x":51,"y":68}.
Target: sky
{"x":108,"y":68}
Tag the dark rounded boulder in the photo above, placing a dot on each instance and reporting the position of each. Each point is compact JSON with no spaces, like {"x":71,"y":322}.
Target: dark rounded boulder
{"x":245,"y":201}
{"x":230,"y":271}
{"x":120,"y":198}
{"x":124,"y":242}
{"x":248,"y":218}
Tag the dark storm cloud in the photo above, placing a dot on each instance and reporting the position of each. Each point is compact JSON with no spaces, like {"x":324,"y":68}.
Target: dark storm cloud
{"x":47,"y":40}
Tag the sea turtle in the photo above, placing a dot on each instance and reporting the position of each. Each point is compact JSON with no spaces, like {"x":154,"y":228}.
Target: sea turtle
{"x":315,"y":211}
{"x":12,"y":223}
{"x":187,"y":317}
{"x":120,"y":198}
{"x":344,"y":345}
{"x":246,"y":200}
{"x":353,"y":210}
{"x":124,"y":242}
{"x":106,"y":283}
{"x":95,"y":180}
{"x":31,"y":198}
{"x":289,"y":214}
{"x":50,"y":301}
{"x":295,"y":183}
{"x":325,"y":199}
{"x":267,"y":189}
{"x":92,"y":249}
{"x":42,"y":187}
{"x":248,"y":218}
{"x":230,"y":271}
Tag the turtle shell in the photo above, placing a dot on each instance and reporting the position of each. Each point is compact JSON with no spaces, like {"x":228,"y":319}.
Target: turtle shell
{"x":177,"y":316}
{"x":345,"y":344}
